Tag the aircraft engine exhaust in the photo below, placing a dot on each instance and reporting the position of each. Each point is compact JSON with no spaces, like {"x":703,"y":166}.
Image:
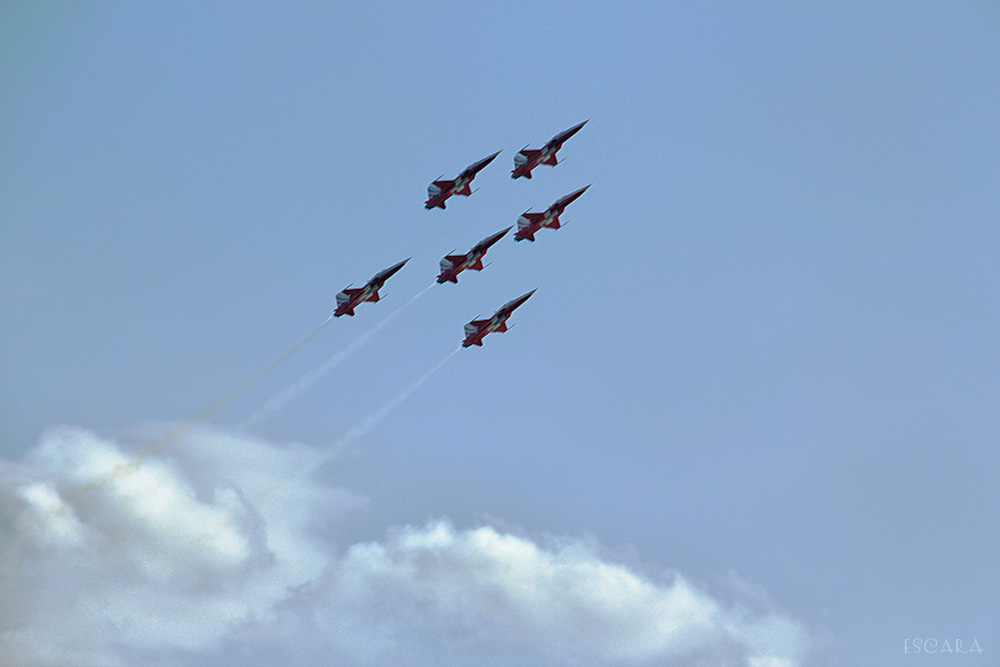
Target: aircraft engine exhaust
{"x":362,"y":427}
{"x":308,"y":380}
{"x":209,"y":410}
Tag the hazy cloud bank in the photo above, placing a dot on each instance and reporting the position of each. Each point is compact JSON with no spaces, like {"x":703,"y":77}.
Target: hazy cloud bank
{"x":214,"y":553}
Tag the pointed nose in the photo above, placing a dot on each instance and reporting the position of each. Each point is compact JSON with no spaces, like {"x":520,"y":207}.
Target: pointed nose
{"x":499,"y":235}
{"x":486,"y":160}
{"x":571,"y":197}
{"x":395,"y":267}
{"x":524,"y":297}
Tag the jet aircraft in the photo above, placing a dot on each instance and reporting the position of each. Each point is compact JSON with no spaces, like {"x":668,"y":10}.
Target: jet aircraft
{"x":529,"y":223}
{"x":452,"y":265}
{"x":476,"y":330}
{"x":439,"y":191}
{"x":529,"y":158}
{"x":350,"y":299}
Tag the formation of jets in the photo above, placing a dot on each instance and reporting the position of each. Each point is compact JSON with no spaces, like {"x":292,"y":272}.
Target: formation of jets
{"x":528,"y":224}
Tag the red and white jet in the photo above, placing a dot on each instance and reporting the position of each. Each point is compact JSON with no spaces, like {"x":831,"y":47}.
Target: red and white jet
{"x":529,"y":223}
{"x":350,"y":299}
{"x":452,"y":265}
{"x":439,"y":190}
{"x":529,"y":158}
{"x":476,"y":330}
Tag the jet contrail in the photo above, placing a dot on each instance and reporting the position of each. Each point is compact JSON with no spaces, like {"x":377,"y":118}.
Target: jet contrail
{"x":306,"y":382}
{"x":207,"y":411}
{"x":361,"y":428}
{"x":356,"y":432}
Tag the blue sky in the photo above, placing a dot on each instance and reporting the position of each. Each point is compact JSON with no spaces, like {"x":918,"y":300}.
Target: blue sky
{"x":763,"y":354}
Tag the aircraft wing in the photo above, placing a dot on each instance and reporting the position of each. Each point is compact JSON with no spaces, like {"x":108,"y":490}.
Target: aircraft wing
{"x":451,"y":261}
{"x":437,"y":187}
{"x":346,"y":295}
{"x":475,"y":326}
{"x":529,"y":219}
{"x":524,"y":156}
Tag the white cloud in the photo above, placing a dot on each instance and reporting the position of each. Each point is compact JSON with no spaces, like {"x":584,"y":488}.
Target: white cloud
{"x":563,"y":604}
{"x":213,"y":553}
{"x":168,"y":553}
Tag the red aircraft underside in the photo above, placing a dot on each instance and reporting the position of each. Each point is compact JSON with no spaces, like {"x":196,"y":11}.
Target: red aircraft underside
{"x":529,"y":223}
{"x":532,"y":158}
{"x":529,"y":158}
{"x":476,"y":330}
{"x":439,"y":191}
{"x":452,"y":265}
{"x":350,"y":298}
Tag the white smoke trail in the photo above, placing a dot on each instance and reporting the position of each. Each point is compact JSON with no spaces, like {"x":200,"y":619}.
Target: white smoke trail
{"x":284,"y":483}
{"x":208,"y":410}
{"x":353,"y":435}
{"x":128,"y":468}
{"x":135,"y":464}
{"x":306,"y":382}
{"x":361,"y":428}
